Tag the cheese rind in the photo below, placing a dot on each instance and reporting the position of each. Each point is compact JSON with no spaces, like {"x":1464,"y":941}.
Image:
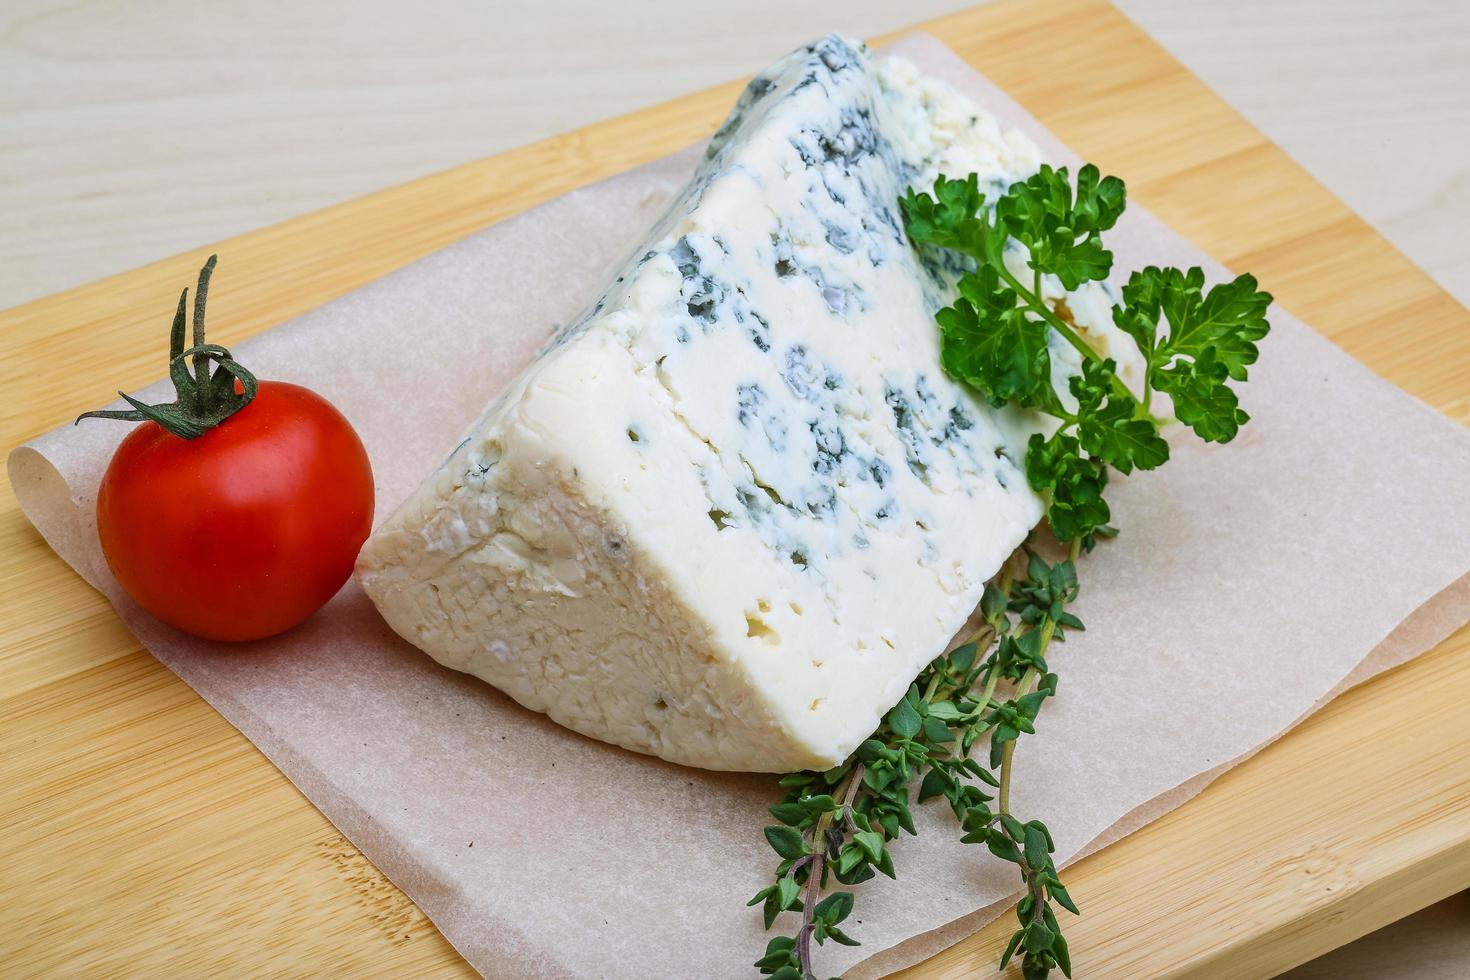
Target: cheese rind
{"x":729,"y":514}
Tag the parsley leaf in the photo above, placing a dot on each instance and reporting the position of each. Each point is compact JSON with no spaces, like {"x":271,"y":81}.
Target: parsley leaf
{"x":1063,"y":234}
{"x":993,"y":345}
{"x":1108,"y":426}
{"x":952,"y":218}
{"x":1202,"y":399}
{"x":1212,"y":338}
{"x":1074,"y":484}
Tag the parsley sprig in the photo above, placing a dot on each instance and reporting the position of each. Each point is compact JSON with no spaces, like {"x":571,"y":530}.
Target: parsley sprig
{"x":836,"y":827}
{"x":997,"y":335}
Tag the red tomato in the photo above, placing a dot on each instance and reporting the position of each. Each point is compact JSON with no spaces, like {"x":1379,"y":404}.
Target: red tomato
{"x":246,"y":530}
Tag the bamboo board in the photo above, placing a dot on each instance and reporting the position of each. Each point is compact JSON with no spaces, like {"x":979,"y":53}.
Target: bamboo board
{"x":141,"y":835}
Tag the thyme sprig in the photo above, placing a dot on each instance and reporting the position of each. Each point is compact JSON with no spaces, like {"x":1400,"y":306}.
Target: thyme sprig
{"x":838,"y":825}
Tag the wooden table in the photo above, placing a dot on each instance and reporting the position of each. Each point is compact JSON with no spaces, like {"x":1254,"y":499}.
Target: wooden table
{"x":140,"y":834}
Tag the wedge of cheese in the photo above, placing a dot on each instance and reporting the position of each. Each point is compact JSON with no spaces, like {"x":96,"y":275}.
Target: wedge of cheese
{"x":730,"y":513}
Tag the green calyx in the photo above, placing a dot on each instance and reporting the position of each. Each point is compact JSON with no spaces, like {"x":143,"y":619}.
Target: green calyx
{"x":204,"y":398}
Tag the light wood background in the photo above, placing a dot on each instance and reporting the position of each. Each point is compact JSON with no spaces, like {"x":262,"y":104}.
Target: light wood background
{"x":130,"y":131}
{"x":141,"y":834}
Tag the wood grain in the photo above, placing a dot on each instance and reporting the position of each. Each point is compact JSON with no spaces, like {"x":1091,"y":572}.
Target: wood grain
{"x":140,"y":834}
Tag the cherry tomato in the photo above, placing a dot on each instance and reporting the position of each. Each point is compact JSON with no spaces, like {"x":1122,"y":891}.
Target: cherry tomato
{"x":236,"y":510}
{"x":246,"y":530}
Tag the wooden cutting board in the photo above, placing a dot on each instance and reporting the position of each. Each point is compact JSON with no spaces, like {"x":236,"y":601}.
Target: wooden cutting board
{"x":140,"y":834}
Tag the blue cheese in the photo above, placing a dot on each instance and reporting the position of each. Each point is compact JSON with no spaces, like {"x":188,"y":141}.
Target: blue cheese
{"x":728,"y":515}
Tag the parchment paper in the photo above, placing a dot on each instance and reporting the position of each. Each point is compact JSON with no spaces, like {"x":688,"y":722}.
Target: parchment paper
{"x":1251,"y":582}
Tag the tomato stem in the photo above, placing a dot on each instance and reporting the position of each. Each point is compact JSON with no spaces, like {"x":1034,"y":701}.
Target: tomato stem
{"x":203,"y":399}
